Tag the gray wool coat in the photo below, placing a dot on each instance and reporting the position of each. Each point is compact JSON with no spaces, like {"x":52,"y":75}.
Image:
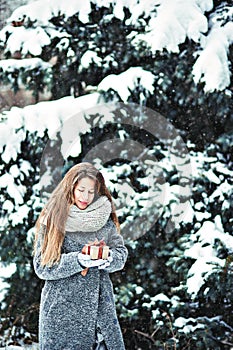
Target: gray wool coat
{"x":73,"y":305}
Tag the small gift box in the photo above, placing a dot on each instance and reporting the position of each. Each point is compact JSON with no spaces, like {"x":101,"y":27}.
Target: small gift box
{"x":105,"y":252}
{"x":96,"y":250}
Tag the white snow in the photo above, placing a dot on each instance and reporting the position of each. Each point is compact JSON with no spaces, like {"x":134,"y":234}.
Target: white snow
{"x":27,"y":63}
{"x":171,"y":22}
{"x":68,"y":116}
{"x":12,"y":148}
{"x":160,"y":297}
{"x":205,"y":5}
{"x":139,"y":290}
{"x":48,"y":115}
{"x":71,"y":132}
{"x":90,"y":57}
{"x":41,"y":11}
{"x":186,"y":324}
{"x":202,"y":250}
{"x":18,"y":215}
{"x":200,"y":216}
{"x":214,"y":72}
{"x":221,"y":190}
{"x":176,"y":20}
{"x":200,"y":271}
{"x":128,"y":80}
{"x":211,"y":176}
{"x":14,"y":191}
{"x":8,"y":205}
{"x":25,"y":166}
{"x":14,"y":171}
{"x":5,"y":272}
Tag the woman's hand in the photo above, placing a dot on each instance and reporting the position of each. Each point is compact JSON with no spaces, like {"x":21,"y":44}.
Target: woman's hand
{"x":106,"y":262}
{"x":86,"y":261}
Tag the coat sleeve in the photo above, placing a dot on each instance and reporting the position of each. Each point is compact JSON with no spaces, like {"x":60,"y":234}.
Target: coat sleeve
{"x":118,"y":250}
{"x":67,"y":266}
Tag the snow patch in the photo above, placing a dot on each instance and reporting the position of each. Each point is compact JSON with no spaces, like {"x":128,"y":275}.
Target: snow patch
{"x":214,"y":72}
{"x":127,"y":81}
{"x":5,"y":272}
{"x":11,"y":65}
{"x":185,"y":16}
{"x":90,"y":57}
{"x":202,"y":250}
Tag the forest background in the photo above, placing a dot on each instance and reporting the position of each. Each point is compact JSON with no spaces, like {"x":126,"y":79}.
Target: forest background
{"x":143,"y":89}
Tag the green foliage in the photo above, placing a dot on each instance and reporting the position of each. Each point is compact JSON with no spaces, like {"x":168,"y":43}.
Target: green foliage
{"x":19,"y":309}
{"x":151,"y":292}
{"x":34,"y":79}
{"x":110,"y":40}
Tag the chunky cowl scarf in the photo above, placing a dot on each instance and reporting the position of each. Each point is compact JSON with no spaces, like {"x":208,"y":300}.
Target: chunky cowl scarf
{"x":93,"y":218}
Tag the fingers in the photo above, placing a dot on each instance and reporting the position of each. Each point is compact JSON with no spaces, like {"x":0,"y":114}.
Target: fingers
{"x":86,"y":261}
{"x":83,"y":257}
{"x":98,"y":262}
{"x":103,"y":266}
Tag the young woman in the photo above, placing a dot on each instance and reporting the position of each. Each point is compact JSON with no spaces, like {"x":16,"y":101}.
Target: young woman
{"x":77,"y":310}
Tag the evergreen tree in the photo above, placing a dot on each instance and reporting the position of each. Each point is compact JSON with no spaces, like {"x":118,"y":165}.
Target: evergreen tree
{"x":175,"y":291}
{"x":86,"y":44}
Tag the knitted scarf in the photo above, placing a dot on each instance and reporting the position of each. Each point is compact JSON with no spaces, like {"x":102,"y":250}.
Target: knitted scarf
{"x":93,"y":218}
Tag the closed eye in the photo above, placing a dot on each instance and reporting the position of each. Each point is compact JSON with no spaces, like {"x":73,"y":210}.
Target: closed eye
{"x":90,"y":192}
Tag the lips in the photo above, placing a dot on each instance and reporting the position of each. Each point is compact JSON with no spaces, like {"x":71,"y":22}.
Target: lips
{"x":83,"y":203}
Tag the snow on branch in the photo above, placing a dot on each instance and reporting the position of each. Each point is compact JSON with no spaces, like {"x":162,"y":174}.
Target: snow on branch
{"x":127,"y":81}
{"x":171,"y":20}
{"x":42,"y":11}
{"x":16,"y":124}
{"x":28,"y":63}
{"x":201,"y":249}
{"x":212,"y":66}
{"x":168,"y":23}
{"x":34,"y":118}
{"x":30,"y":40}
{"x":90,"y":57}
{"x":175,"y":21}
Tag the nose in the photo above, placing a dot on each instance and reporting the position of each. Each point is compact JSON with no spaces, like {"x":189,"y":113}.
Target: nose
{"x":85,"y":195}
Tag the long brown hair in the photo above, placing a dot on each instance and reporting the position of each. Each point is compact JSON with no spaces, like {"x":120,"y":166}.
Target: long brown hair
{"x":55,"y":212}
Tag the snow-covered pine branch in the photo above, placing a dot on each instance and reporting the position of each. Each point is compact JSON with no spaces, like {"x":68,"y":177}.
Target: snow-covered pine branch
{"x":165,"y":25}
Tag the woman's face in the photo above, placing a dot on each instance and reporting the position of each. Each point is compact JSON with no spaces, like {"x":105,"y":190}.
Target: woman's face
{"x":84,"y":192}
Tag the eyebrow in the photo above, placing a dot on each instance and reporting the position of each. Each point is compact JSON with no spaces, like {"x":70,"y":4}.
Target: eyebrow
{"x":90,"y":189}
